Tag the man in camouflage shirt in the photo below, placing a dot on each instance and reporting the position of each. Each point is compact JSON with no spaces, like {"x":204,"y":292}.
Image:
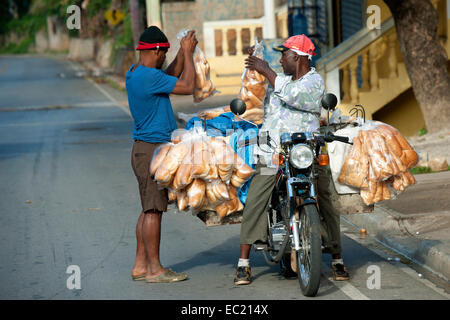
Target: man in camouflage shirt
{"x":293,"y":105}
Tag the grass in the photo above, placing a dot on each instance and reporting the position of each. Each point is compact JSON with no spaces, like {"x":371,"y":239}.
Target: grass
{"x":113,"y":84}
{"x":17,"y":48}
{"x":420,"y":170}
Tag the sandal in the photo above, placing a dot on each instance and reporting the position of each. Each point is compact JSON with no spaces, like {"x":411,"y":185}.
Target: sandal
{"x":166,"y":277}
{"x":138,"y":277}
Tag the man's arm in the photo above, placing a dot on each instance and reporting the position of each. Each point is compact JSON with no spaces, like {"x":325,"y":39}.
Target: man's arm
{"x":176,"y":67}
{"x":185,"y":84}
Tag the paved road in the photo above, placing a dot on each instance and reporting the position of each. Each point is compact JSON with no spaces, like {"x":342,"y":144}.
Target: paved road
{"x":69,"y":197}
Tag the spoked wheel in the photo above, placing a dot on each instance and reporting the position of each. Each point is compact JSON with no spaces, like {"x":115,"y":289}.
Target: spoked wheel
{"x":309,"y":257}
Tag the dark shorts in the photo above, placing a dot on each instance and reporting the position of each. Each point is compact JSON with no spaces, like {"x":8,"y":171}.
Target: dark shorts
{"x":152,"y":198}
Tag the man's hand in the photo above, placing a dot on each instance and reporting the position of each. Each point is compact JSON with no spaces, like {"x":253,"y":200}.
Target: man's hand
{"x":189,"y":42}
{"x":254,"y":63}
{"x":261,"y":66}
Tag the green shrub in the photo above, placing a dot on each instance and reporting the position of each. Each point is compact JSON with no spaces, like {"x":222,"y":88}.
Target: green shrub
{"x":418,"y":170}
{"x":422,"y":131}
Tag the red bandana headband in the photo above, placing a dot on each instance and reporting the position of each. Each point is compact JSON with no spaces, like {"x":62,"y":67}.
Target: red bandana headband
{"x":145,"y":45}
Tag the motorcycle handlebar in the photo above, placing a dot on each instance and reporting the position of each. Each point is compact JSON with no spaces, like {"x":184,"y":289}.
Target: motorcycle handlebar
{"x":329,"y":137}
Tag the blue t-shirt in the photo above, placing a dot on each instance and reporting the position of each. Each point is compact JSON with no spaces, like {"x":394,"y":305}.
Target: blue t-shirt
{"x":148,"y":92}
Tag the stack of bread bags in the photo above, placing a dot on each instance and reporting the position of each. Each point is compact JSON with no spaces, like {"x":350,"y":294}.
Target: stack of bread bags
{"x":378,"y":163}
{"x":201,"y":173}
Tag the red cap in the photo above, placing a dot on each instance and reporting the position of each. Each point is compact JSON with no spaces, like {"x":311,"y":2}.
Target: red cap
{"x":299,"y":42}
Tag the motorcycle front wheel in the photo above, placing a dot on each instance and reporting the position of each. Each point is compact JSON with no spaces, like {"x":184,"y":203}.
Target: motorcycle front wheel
{"x":309,"y":257}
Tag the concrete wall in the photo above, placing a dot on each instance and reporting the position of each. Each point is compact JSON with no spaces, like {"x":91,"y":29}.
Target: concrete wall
{"x":403,"y":113}
{"x":179,"y":15}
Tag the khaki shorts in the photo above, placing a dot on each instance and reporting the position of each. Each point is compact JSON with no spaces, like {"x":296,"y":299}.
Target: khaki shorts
{"x":152,"y":198}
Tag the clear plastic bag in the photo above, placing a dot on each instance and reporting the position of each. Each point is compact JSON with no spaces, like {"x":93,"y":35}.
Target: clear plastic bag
{"x":204,"y":87}
{"x":253,"y":89}
{"x":379,"y":162}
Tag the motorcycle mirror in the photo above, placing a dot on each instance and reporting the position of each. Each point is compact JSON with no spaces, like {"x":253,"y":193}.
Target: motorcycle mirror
{"x":329,"y":101}
{"x":237,"y":106}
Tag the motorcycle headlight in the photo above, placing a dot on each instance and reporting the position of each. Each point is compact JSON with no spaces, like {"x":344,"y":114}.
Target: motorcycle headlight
{"x":301,"y":156}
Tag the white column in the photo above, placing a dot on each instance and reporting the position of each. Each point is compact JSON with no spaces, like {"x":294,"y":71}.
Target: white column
{"x":332,"y":83}
{"x":269,"y":31}
{"x":153,"y":10}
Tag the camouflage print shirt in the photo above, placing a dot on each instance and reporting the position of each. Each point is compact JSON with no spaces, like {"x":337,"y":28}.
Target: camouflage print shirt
{"x":291,"y":106}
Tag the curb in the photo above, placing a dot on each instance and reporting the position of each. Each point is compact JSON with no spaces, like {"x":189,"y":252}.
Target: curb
{"x":387,"y":227}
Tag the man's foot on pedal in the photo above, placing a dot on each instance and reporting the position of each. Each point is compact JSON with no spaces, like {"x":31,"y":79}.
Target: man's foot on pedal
{"x":340,"y":272}
{"x":243,"y":276}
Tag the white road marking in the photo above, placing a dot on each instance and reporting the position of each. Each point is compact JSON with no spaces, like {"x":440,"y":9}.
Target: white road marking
{"x":348,"y":289}
{"x":97,"y":104}
{"x":60,"y":123}
{"x":106,"y":94}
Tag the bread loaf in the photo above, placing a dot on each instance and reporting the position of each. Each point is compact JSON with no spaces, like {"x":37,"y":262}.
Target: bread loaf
{"x":222,"y":210}
{"x":236,"y":181}
{"x":158,"y":157}
{"x":195,"y":193}
{"x":243,"y":170}
{"x":182,"y":200}
{"x":172,"y":196}
{"x":200,"y":164}
{"x":409,"y":158}
{"x":354,"y":171}
{"x":203,"y":85}
{"x":220,"y":190}
{"x":183,"y":175}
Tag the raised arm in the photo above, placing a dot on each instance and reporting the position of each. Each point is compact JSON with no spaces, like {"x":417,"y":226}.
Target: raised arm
{"x":176,"y":67}
{"x":185,"y":84}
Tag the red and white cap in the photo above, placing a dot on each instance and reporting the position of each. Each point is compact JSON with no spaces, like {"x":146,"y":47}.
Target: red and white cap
{"x":300,"y":44}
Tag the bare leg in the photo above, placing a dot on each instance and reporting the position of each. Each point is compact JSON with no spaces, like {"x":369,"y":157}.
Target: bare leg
{"x":140,"y":264}
{"x":151,"y":232}
{"x":245,"y":251}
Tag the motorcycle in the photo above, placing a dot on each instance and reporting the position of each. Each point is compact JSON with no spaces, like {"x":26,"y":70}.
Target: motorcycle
{"x":293,"y":218}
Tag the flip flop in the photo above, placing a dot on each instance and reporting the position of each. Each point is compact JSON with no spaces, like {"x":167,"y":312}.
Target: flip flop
{"x":166,"y":277}
{"x":139,"y":277}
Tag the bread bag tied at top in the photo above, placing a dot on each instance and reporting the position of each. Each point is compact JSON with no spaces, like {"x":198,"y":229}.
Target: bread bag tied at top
{"x":204,"y":87}
{"x":378,"y":162}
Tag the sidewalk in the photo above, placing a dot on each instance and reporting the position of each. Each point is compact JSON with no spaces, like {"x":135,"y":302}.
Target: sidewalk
{"x":416,"y":224}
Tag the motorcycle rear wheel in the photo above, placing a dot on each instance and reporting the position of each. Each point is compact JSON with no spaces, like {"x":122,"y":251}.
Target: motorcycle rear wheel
{"x":309,"y":257}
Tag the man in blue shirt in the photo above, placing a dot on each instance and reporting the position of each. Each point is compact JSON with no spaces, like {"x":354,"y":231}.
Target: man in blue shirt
{"x":148,"y":89}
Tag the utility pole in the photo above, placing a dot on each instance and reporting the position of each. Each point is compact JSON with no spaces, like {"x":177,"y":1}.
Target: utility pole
{"x":135,"y":21}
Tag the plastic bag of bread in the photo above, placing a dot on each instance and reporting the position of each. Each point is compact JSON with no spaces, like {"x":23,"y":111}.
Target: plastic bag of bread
{"x":204,"y":87}
{"x":253,"y":89}
{"x":378,"y":162}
